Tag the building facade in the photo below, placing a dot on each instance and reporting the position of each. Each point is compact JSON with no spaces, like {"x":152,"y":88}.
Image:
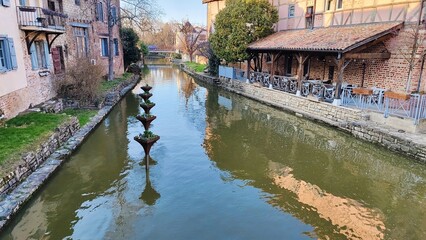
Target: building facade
{"x":47,"y":37}
{"x":360,"y":42}
{"x":213,"y":8}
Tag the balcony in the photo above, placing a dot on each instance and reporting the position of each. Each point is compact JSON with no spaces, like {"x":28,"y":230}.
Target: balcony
{"x":36,"y":21}
{"x":40,"y":19}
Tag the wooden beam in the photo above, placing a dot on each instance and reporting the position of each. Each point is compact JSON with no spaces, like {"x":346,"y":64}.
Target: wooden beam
{"x":385,"y":55}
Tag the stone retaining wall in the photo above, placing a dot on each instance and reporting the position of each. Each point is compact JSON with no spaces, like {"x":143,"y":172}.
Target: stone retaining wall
{"x":32,"y":160}
{"x":349,"y":120}
{"x":12,"y":202}
{"x":302,"y":105}
{"x":409,"y":145}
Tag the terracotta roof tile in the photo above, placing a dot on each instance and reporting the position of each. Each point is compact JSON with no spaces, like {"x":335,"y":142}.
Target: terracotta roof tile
{"x":330,"y":39}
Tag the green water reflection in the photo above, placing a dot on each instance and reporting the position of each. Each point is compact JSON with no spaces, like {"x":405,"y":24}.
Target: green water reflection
{"x":227,"y":168}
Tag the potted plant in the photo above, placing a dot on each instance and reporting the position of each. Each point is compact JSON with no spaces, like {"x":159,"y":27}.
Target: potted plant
{"x":147,"y":139}
{"x":146,"y":120}
{"x":147,"y":105}
{"x":145,"y":95}
{"x":146,"y":88}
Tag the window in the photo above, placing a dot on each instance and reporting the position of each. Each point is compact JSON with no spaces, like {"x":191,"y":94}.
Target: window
{"x":339,"y":4}
{"x":309,"y":16}
{"x":3,"y":65}
{"x":116,"y":50}
{"x":104,"y":47}
{"x":39,"y":55}
{"x":7,"y":55}
{"x":22,"y":2}
{"x":328,"y":5}
{"x":5,"y":3}
{"x":288,"y":65}
{"x":100,"y":12}
{"x":77,"y":2}
{"x":114,"y":14}
{"x":81,"y":39}
{"x":291,"y":9}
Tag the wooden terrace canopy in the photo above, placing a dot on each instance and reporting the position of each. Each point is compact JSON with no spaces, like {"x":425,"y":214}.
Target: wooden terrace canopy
{"x":345,"y":43}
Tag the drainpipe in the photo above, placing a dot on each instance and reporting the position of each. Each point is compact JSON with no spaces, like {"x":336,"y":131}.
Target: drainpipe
{"x":421,"y":73}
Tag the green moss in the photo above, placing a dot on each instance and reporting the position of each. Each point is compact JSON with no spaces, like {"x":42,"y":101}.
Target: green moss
{"x":25,"y":132}
{"x":83,"y":115}
{"x":196,"y":66}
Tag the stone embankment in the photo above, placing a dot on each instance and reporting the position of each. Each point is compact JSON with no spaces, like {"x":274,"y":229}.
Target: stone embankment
{"x":349,"y":120}
{"x":39,"y":165}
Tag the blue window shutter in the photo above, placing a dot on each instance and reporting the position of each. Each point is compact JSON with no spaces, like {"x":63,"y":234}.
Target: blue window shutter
{"x":14,"y":63}
{"x":33,"y":54}
{"x":6,"y":3}
{"x":47,"y":55}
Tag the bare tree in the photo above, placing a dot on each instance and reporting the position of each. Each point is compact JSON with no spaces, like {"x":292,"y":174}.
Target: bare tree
{"x":412,"y":49}
{"x":140,"y":14}
{"x":189,"y":38}
{"x":163,"y":36}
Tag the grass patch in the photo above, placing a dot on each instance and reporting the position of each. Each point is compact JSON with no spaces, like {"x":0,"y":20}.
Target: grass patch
{"x":83,"y":115}
{"x":107,"y":86}
{"x":196,"y":66}
{"x":23,"y":133}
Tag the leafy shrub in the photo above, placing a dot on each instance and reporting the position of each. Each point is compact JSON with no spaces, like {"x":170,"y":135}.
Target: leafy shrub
{"x":81,"y":82}
{"x":131,"y":52}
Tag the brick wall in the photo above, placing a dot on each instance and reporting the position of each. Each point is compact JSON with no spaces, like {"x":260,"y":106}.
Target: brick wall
{"x":389,"y":74}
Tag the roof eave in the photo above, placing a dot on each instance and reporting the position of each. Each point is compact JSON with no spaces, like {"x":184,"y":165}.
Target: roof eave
{"x":373,"y":38}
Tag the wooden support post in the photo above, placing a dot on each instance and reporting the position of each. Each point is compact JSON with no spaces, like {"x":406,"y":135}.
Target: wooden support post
{"x":273,"y":64}
{"x":248,"y":67}
{"x":301,"y":59}
{"x":341,"y":63}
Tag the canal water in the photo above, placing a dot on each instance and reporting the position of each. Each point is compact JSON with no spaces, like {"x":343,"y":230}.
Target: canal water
{"x":226,"y":168}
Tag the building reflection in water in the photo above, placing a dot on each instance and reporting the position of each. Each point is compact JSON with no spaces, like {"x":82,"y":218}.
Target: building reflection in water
{"x":343,"y":187}
{"x":354,"y":220}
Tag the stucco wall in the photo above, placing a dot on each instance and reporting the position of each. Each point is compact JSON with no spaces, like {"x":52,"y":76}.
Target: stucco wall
{"x":11,"y":81}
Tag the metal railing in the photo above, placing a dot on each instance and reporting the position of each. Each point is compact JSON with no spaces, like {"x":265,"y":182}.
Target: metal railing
{"x":40,"y":17}
{"x":413,"y":108}
{"x":232,"y":73}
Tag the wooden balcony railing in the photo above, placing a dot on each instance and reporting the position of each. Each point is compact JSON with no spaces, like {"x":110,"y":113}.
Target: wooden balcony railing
{"x":36,"y":17}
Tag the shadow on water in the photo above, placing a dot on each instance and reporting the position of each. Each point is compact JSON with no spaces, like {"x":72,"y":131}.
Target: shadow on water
{"x":226,"y":167}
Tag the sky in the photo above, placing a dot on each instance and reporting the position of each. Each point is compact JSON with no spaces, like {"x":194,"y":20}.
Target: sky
{"x":177,"y":10}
